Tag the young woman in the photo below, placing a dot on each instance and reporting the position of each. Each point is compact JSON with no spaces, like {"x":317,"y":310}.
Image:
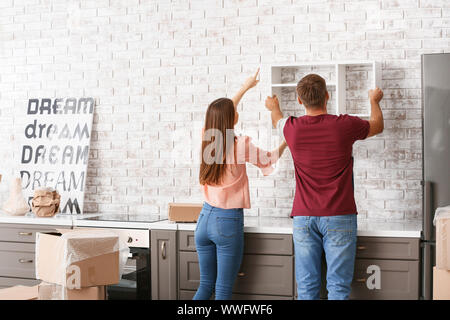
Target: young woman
{"x":219,"y":236}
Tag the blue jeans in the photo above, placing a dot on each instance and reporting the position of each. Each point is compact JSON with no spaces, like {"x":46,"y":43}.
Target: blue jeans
{"x":336,"y":235}
{"x":219,"y":238}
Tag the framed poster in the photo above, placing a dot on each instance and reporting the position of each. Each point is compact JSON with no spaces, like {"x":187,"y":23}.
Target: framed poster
{"x":54,"y":139}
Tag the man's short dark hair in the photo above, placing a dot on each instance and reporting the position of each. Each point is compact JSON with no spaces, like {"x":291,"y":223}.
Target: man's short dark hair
{"x":312,"y":90}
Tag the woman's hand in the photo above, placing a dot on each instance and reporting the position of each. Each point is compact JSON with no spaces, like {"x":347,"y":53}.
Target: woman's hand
{"x":251,"y":81}
{"x":248,"y":84}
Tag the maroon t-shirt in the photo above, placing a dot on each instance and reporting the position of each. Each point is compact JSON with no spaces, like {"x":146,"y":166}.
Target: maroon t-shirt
{"x":321,"y":147}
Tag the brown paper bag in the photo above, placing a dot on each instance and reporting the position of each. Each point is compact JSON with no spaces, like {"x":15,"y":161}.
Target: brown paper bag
{"x":45,"y":202}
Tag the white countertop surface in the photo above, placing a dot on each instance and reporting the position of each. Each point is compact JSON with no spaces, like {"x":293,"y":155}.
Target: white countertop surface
{"x":31,"y":218}
{"x":368,"y":228}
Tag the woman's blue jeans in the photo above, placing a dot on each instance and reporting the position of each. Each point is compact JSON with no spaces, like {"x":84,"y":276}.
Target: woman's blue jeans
{"x":219,"y":239}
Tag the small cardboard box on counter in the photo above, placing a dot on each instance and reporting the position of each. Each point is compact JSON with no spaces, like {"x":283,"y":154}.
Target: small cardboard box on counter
{"x":441,"y":284}
{"x":442,"y":223}
{"x":19,"y":293}
{"x":78,"y":259}
{"x":184,"y":212}
{"x":51,"y":291}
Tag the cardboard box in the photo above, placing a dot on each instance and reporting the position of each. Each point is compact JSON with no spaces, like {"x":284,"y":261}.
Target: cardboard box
{"x":19,"y":293}
{"x":51,"y":291}
{"x":443,"y":243}
{"x":184,"y":212}
{"x":441,"y":284}
{"x":78,"y":259}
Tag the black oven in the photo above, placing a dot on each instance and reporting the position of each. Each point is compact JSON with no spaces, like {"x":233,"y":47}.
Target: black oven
{"x":135,"y":281}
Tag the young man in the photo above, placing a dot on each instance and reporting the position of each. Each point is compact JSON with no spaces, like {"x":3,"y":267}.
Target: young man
{"x":324,"y":208}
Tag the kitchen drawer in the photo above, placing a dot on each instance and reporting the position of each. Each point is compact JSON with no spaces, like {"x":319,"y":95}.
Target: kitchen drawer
{"x":11,"y":282}
{"x":23,"y":233}
{"x":186,"y":241}
{"x":399,"y":280}
{"x":189,"y":294}
{"x":259,"y":274}
{"x":17,"y":260}
{"x":388,"y":248}
{"x":254,"y":243}
{"x":268,"y":243}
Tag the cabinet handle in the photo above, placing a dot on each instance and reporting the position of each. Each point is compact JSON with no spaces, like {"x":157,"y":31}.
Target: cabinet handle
{"x":241,"y":274}
{"x":163,"y":250}
{"x":25,"y":261}
{"x":25,"y":233}
{"x":361,"y":280}
{"x":361,"y":247}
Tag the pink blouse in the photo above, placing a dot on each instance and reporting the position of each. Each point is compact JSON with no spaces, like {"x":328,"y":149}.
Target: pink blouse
{"x":233,"y":192}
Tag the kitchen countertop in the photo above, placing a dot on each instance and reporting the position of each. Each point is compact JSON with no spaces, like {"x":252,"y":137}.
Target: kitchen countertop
{"x":74,"y":221}
{"x":367,"y":228}
{"x":31,"y":218}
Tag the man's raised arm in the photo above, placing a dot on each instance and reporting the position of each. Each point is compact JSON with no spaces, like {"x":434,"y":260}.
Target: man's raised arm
{"x":376,"y":116}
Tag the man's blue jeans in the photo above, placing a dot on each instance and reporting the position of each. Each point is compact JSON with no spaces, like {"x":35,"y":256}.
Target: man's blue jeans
{"x":336,"y":235}
{"x":219,"y":239}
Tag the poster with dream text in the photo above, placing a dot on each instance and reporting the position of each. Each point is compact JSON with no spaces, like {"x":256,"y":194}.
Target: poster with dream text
{"x":54,"y":137}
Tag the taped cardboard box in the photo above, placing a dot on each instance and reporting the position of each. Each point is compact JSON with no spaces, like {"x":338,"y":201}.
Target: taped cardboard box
{"x":19,"y":293}
{"x":51,"y":291}
{"x":184,"y":212}
{"x":81,"y":258}
{"x":441,"y":284}
{"x":442,"y":223}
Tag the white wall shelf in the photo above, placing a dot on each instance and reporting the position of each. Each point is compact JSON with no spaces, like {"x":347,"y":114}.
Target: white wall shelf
{"x":347,"y":81}
{"x":294,"y":84}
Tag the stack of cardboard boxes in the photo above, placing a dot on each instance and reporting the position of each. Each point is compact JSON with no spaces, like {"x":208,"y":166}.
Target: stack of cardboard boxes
{"x":73,"y":265}
{"x":441,"y":272}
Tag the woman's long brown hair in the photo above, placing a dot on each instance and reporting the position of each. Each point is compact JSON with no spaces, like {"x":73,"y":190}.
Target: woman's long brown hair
{"x":219,"y":116}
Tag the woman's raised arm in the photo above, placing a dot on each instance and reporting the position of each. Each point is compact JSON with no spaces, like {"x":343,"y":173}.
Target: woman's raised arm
{"x":248,"y":84}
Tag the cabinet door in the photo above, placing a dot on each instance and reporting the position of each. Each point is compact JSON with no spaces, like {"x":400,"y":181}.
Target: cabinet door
{"x":17,"y":260}
{"x":163,"y":264}
{"x":399,"y":279}
{"x":266,"y":274}
{"x":189,"y":270}
{"x":259,"y":274}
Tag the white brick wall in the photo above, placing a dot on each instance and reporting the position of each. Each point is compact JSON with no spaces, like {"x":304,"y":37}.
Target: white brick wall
{"x":153,"y":66}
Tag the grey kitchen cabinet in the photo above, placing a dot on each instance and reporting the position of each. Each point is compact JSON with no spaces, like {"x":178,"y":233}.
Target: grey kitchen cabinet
{"x":259,"y":274}
{"x":266,"y":274}
{"x":266,"y":271}
{"x":17,"y":253}
{"x":396,"y":260}
{"x":163,"y":264}
{"x":399,"y":268}
{"x":399,"y":280}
